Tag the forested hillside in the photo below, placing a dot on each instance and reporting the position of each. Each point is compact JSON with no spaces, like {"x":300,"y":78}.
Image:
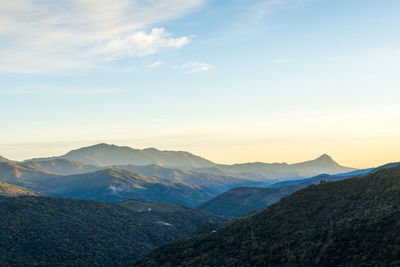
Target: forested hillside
{"x":44,"y":231}
{"x":346,"y":223}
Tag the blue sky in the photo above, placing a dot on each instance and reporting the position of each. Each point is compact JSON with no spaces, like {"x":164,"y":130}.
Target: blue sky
{"x":233,"y":81}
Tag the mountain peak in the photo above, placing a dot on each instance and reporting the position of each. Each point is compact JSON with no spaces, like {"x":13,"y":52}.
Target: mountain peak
{"x":102,"y":145}
{"x":325,"y":157}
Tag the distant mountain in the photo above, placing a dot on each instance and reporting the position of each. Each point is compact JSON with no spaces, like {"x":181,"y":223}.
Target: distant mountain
{"x":221,"y":171}
{"x":243,"y":200}
{"x":19,"y":174}
{"x":105,"y":155}
{"x":62,"y":166}
{"x":118,"y":185}
{"x":216,"y":182}
{"x":353,"y":222}
{"x":322,"y":165}
{"x":108,"y":155}
{"x":43,"y":231}
{"x":15,"y":190}
{"x":3,"y":159}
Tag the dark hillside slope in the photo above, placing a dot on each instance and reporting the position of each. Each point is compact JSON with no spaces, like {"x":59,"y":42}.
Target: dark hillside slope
{"x":353,"y":222}
{"x":43,"y":231}
{"x":243,"y":200}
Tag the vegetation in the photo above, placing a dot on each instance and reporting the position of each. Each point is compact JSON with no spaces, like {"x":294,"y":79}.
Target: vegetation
{"x":44,"y":231}
{"x":346,"y":223}
{"x":15,"y":190}
{"x":243,"y":200}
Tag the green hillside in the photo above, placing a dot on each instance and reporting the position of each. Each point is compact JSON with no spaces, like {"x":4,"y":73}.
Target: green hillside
{"x":354,"y":222}
{"x":243,"y":200}
{"x":15,"y":190}
{"x":43,"y":231}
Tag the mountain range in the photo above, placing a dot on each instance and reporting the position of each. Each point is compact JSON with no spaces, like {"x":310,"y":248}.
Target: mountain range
{"x":353,"y":222}
{"x":106,"y":184}
{"x":105,"y":155}
{"x":122,"y":173}
{"x":108,"y":155}
{"x":118,"y":185}
{"x":288,"y":217}
{"x":215,"y":182}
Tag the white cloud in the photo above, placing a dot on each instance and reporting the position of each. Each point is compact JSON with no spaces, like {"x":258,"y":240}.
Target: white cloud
{"x":156,"y":64}
{"x":140,"y":44}
{"x":48,"y":35}
{"x":193,"y":67}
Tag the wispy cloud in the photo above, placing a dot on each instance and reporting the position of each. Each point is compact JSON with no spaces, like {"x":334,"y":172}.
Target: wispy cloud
{"x":45,"y":89}
{"x":41,"y":36}
{"x":261,"y":8}
{"x":156,"y":64}
{"x":194,"y":67}
{"x":253,"y":13}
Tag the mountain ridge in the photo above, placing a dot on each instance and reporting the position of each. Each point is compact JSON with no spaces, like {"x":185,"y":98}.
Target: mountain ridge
{"x":118,"y":185}
{"x":19,"y":174}
{"x":3,"y":159}
{"x":105,"y":155}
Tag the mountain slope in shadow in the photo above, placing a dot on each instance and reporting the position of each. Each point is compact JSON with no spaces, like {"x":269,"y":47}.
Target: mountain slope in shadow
{"x":345,"y":223}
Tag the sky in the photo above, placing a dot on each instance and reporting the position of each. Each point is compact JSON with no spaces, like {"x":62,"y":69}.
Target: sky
{"x":232,"y":81}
